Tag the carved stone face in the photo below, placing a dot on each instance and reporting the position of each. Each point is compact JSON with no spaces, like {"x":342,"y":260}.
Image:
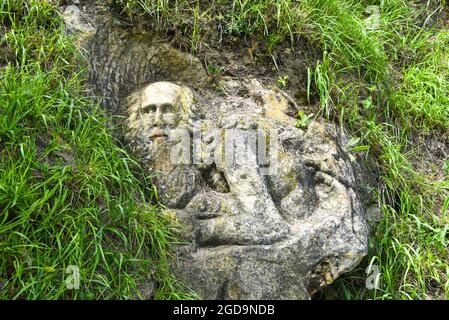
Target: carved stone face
{"x":158,"y":108}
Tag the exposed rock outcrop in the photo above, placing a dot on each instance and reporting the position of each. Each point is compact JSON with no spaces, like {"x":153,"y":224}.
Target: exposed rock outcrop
{"x":270,"y":210}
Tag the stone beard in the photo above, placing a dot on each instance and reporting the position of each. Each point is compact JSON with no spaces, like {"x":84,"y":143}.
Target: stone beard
{"x":158,"y":114}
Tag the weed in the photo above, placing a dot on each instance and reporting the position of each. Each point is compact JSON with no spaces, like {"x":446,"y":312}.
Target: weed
{"x":303,"y":120}
{"x":282,"y":81}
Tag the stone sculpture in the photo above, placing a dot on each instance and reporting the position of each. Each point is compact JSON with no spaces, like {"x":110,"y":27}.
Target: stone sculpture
{"x":244,"y":222}
{"x":280,"y":224}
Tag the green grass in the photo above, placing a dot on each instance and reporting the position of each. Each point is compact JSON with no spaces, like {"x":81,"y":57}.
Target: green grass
{"x":69,"y":194}
{"x":388,"y":85}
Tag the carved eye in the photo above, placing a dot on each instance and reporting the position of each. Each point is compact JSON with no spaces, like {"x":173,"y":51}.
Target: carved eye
{"x":149,"y":108}
{"x":166,"y":107}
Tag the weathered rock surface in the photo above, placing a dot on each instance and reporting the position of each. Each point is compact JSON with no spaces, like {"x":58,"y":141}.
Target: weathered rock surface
{"x":280,"y":224}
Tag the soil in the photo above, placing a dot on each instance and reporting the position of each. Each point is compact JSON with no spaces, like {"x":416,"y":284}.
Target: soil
{"x":245,"y":57}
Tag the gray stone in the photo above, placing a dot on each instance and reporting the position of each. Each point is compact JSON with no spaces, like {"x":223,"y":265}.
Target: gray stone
{"x":75,"y":21}
{"x":257,"y":236}
{"x":252,"y":233}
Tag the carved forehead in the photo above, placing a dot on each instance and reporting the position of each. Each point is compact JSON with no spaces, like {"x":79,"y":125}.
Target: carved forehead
{"x":159,"y":93}
{"x":163,"y":92}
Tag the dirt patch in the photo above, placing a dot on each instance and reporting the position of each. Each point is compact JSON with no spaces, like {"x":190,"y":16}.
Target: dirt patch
{"x":432,"y":160}
{"x":6,"y":52}
{"x":240,"y":56}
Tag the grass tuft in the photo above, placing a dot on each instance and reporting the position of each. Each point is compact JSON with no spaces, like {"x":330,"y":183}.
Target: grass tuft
{"x":70,"y":195}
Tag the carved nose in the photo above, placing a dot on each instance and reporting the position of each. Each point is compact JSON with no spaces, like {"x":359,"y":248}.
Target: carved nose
{"x":158,"y":116}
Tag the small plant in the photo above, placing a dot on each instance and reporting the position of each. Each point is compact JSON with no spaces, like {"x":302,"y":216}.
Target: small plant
{"x":323,"y":82}
{"x":303,"y":120}
{"x":282,"y":81}
{"x":214,"y":71}
{"x":368,"y":103}
{"x":353,"y":146}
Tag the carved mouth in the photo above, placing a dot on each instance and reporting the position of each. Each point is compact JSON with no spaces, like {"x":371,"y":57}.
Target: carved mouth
{"x":157,"y":134}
